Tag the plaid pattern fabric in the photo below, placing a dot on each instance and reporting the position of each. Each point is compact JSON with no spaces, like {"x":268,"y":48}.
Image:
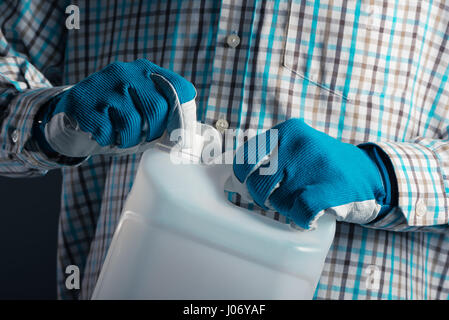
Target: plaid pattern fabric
{"x":361,"y":71}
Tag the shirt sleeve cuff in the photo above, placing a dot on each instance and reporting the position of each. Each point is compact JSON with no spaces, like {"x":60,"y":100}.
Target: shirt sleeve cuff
{"x":421,"y":193}
{"x":16,"y":133}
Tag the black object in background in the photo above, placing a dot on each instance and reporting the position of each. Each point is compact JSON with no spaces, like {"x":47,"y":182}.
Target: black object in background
{"x":29,"y":211}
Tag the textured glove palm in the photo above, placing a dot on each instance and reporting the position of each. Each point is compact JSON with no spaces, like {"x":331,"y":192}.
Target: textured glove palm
{"x":121,"y":106}
{"x":315,"y":172}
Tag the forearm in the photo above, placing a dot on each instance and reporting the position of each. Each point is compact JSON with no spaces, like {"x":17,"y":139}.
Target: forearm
{"x":30,"y":44}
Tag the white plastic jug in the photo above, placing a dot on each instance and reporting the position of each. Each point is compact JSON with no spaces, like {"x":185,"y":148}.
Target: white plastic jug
{"x":180,"y":238}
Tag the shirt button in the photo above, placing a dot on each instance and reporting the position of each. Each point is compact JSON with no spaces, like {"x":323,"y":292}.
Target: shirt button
{"x":233,"y":40}
{"x":421,"y":208}
{"x":221,"y":125}
{"x":372,"y":10}
{"x":15,"y":136}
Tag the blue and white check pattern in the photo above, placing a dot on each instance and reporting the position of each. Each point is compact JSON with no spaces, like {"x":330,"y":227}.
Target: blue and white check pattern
{"x":361,"y":71}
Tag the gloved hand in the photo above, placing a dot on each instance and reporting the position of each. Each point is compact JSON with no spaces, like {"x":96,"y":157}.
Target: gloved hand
{"x":125,"y":105}
{"x":315,"y":174}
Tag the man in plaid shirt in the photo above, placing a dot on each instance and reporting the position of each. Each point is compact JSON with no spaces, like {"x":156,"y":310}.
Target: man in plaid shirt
{"x":358,"y":71}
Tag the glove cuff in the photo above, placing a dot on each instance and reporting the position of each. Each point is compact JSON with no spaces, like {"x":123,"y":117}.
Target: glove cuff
{"x":386,"y":170}
{"x":41,"y":119}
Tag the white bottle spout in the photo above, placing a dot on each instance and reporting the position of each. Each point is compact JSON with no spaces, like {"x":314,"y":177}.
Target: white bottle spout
{"x":191,"y":136}
{"x":186,"y":137}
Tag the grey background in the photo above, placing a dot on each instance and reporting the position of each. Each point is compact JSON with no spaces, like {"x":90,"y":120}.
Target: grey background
{"x":28,"y":236}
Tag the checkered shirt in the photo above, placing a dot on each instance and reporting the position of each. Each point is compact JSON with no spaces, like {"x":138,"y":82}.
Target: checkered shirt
{"x":360,"y":71}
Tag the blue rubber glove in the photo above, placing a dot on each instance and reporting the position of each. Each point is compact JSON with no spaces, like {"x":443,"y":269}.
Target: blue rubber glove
{"x":315,"y":173}
{"x":115,"y":110}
